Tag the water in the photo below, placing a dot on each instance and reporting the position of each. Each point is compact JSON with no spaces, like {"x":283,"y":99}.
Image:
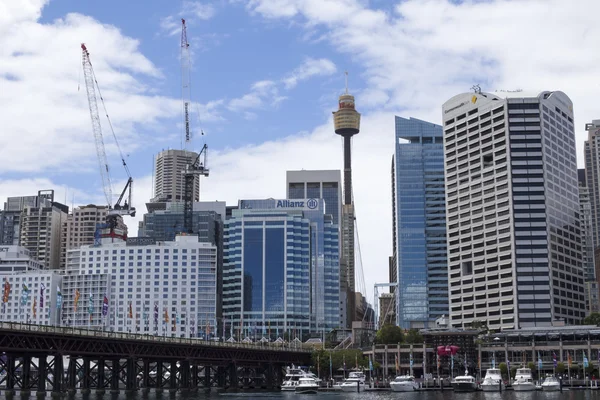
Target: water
{"x":445,"y":395}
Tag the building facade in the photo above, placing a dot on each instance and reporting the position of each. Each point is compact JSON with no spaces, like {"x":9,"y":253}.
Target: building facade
{"x":10,"y":217}
{"x":79,"y":228}
{"x":33,"y":297}
{"x":299,"y":245}
{"x":514,"y":241}
{"x":40,"y":229}
{"x":17,"y":259}
{"x":591,"y":152}
{"x":168,"y":175}
{"x":420,"y":222}
{"x":160,"y":288}
{"x":326,"y":185}
{"x":587,"y":236}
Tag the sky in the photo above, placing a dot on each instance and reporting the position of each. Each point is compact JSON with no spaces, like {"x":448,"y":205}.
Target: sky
{"x":265,"y":77}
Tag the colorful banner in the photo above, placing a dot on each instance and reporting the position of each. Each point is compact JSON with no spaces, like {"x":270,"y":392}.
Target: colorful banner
{"x":34,"y":307}
{"x":42,"y":289}
{"x":554,"y":362}
{"x":156,"y":314}
{"x":105,"y":306}
{"x":24,"y":294}
{"x":59,"y":298}
{"x":76,"y":301}
{"x":130,"y":313}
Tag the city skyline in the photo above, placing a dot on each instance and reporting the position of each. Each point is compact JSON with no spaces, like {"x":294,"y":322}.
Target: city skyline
{"x":251,"y":152}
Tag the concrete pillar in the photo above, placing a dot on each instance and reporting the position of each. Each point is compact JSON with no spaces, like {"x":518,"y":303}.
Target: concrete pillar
{"x":57,"y":376}
{"x":146,"y":374}
{"x":185,"y":375}
{"x":72,"y":375}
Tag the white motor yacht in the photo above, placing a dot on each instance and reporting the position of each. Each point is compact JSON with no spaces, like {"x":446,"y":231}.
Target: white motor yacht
{"x":523,"y":380}
{"x":292,"y":377}
{"x":307,"y":385}
{"x":354,"y":383}
{"x":404,"y":383}
{"x":550,"y":384}
{"x":492,"y":382}
{"x":464,"y":383}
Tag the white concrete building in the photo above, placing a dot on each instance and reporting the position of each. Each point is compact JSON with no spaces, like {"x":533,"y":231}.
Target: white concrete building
{"x":38,"y":307}
{"x":512,"y":205}
{"x":17,"y":259}
{"x":145,"y":281}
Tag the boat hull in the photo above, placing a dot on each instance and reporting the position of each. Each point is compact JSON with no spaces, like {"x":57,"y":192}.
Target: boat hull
{"x":552,"y":388}
{"x":307,"y":390}
{"x":402,"y":388}
{"x":491,"y":387}
{"x":352,"y":388}
{"x":464,"y":387}
{"x":524,"y":387}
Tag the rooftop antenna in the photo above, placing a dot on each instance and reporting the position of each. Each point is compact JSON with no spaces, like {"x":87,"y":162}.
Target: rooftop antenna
{"x":476,"y":89}
{"x":346,"y":72}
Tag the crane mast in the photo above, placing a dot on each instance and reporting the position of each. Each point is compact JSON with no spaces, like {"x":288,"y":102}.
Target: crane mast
{"x":186,"y":90}
{"x":197,"y":167}
{"x":116,"y":209}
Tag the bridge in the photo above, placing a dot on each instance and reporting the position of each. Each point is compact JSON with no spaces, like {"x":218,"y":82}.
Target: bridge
{"x":59,"y":359}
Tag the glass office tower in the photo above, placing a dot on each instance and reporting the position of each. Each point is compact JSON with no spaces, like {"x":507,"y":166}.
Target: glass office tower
{"x":281,"y":265}
{"x":420,"y":221}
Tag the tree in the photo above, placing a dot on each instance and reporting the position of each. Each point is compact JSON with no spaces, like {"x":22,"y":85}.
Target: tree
{"x":479,"y":325}
{"x":503,"y":370}
{"x":352,"y":357}
{"x":592,"y":319}
{"x":513,"y":372}
{"x":389,"y":334}
{"x":413,"y":336}
{"x":560,"y":368}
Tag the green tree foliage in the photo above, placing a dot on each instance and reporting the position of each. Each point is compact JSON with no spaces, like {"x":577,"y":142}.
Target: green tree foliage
{"x":513,"y":372}
{"x":560,"y":368}
{"x":389,"y":334}
{"x":592,"y":319}
{"x":320,"y":360}
{"x":413,"y":336}
{"x":503,"y":370}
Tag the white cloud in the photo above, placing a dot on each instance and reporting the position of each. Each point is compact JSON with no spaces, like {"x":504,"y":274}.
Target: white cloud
{"x":198,"y":9}
{"x":31,"y":186}
{"x":425,"y":51}
{"x":261,"y":93}
{"x":191,"y":11}
{"x":309,"y":68}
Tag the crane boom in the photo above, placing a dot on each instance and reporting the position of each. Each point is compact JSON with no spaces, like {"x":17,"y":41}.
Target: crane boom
{"x":88,"y":74}
{"x":186,"y":92}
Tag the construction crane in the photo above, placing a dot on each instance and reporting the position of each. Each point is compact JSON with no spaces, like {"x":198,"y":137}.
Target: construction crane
{"x":114,"y":210}
{"x":198,"y":167}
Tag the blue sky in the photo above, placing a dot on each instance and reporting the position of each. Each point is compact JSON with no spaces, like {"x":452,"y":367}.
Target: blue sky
{"x":266,"y":76}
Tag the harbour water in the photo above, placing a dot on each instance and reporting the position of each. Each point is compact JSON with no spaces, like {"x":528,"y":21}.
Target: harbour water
{"x":433,"y":395}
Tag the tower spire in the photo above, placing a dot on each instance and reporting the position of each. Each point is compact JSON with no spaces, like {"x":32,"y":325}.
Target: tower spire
{"x":346,"y":72}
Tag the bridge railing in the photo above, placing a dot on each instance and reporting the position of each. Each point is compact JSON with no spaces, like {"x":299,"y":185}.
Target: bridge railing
{"x":68,"y":330}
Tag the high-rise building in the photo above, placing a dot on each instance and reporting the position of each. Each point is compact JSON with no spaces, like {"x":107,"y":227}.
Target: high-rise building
{"x":592,"y":294}
{"x":281,"y":264}
{"x":326,"y":185}
{"x":514,"y":242}
{"x":317,"y":184}
{"x":591,"y":152}
{"x":207,"y":224}
{"x":392,"y":266}
{"x":10,"y":217}
{"x":160,"y":288}
{"x":346,"y":121}
{"x":168,"y":176}
{"x":17,"y":259}
{"x":387,"y":309}
{"x":420,"y":221}
{"x":79,"y":228}
{"x":40,"y":229}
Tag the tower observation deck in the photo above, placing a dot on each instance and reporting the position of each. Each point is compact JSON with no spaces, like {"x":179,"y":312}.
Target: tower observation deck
{"x":347,"y":124}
